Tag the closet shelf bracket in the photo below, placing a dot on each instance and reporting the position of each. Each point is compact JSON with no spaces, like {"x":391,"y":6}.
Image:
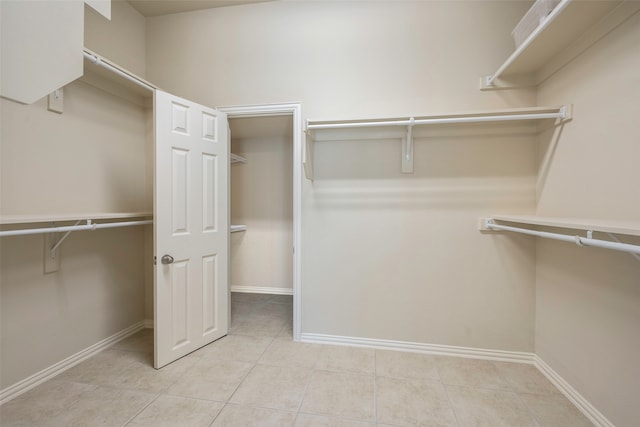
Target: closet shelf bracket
{"x":407,"y":148}
{"x":52,"y":250}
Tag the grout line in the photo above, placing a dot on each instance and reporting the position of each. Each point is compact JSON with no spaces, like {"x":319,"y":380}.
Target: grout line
{"x":141,"y":410}
{"x":218,"y":414}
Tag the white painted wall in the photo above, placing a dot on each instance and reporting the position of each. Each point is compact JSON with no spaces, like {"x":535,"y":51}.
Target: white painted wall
{"x":121,"y":39}
{"x":90,"y":159}
{"x":262,"y":199}
{"x":385,"y":255}
{"x":588,"y":300}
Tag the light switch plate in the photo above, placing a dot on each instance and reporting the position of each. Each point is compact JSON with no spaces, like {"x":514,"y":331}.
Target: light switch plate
{"x":51,"y":261}
{"x":56,"y":101}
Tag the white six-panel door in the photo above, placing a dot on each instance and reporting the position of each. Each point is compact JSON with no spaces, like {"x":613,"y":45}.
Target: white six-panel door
{"x":191,"y":226}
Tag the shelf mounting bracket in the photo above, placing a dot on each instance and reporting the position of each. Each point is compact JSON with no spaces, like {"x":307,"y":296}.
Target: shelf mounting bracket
{"x":407,"y":148}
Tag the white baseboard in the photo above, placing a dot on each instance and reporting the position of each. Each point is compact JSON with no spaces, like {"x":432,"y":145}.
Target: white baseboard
{"x":576,"y":398}
{"x":262,"y":290}
{"x":441,"y":350}
{"x":38,"y":378}
{"x":565,"y":388}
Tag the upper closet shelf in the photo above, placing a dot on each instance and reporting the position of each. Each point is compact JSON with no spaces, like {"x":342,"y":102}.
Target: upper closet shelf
{"x":408,"y":128}
{"x":573,"y":25}
{"x":630,"y":228}
{"x":236,"y":228}
{"x":34,"y":219}
{"x":609,"y":227}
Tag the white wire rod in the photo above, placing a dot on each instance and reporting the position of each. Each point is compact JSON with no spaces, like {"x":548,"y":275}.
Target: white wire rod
{"x":561,"y":114}
{"x":547,"y":21}
{"x":96,"y":60}
{"x":613,"y":237}
{"x":86,"y":227}
{"x":580,"y":241}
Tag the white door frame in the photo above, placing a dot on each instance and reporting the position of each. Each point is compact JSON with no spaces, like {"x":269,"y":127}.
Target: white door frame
{"x":294,"y":109}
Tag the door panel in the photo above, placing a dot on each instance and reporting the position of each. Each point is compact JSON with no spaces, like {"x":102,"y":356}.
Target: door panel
{"x":191,"y":211}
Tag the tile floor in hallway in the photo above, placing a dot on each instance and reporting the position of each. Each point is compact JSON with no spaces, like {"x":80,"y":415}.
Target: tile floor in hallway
{"x":257,"y":376}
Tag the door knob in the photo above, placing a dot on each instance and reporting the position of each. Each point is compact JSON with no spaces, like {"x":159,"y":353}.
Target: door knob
{"x":167,"y":259}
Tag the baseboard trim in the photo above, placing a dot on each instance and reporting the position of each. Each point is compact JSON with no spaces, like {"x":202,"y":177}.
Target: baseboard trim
{"x":572,"y":394}
{"x":442,"y":350}
{"x":38,"y":378}
{"x":262,"y":290}
{"x":583,"y":405}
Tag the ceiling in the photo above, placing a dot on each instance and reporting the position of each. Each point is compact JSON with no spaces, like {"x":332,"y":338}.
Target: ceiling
{"x":149,"y":8}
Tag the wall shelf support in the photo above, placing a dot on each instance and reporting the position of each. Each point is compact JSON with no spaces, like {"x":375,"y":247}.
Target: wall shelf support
{"x":407,"y":148}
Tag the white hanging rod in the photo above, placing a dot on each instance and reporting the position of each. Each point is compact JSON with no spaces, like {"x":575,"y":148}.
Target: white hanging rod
{"x":561,"y":114}
{"x":96,"y":60}
{"x":580,"y":241}
{"x":88,"y":226}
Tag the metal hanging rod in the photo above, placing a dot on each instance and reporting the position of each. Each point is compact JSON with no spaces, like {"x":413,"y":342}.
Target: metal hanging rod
{"x":560,"y":114}
{"x":96,"y":60}
{"x":489,"y":224}
{"x":89,"y":226}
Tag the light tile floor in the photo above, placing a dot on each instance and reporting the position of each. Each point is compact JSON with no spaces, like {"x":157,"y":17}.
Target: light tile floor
{"x":257,"y":376}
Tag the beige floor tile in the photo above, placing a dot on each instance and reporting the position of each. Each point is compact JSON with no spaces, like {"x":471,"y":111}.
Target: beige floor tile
{"x":247,"y":416}
{"x":346,"y":358}
{"x":400,"y":364}
{"x":525,"y":378}
{"x":42,"y":404}
{"x":239,"y":348}
{"x":469,"y":372}
{"x":287,"y":330}
{"x":140,"y":341}
{"x":142,"y":376}
{"x":103,"y":406}
{"x":169,"y":411}
{"x":274,"y":309}
{"x":281,"y":299}
{"x":485,"y":407}
{"x":247,"y":297}
{"x":211,"y":379}
{"x":273,"y":387}
{"x":101,"y":368}
{"x":409,"y":402}
{"x":257,"y":326}
{"x":555,"y":411}
{"x":290,"y":353}
{"x":306,"y":420}
{"x":340,"y":394}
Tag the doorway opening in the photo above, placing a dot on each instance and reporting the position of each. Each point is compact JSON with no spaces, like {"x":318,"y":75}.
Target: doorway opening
{"x":265,"y":191}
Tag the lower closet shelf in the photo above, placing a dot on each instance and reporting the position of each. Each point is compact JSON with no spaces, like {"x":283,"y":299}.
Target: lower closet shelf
{"x":236,"y":228}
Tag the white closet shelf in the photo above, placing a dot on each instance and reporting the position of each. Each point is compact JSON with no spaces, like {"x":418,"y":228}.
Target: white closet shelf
{"x":236,"y":228}
{"x":33,"y":219}
{"x":406,"y":128}
{"x":572,"y":22}
{"x":626,"y":227}
{"x":235,"y":159}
